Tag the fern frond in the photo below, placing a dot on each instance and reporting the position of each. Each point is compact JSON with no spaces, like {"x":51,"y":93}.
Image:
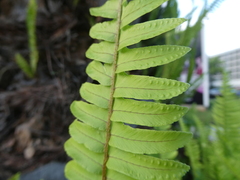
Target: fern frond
{"x":226,"y":113}
{"x":101,"y":144}
{"x":193,"y":151}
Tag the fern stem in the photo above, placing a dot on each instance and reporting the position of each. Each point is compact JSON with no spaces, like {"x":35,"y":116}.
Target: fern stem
{"x":111,"y":100}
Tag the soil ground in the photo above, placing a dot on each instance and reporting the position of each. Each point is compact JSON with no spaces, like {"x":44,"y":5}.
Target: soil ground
{"x":34,"y":113}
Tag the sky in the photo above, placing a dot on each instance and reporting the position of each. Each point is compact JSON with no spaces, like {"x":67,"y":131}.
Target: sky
{"x":221,"y":27}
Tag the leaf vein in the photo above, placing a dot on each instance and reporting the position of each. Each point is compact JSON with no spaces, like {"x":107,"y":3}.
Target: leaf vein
{"x":142,"y":140}
{"x":157,"y":169}
{"x":90,"y":137}
{"x":132,"y":112}
{"x":99,"y":52}
{"x":141,"y":88}
{"x":149,"y":32}
{"x":102,"y":72}
{"x":135,"y":11}
{"x":110,"y":10}
{"x":81,"y":175}
{"x":143,"y":59}
{"x":97,"y":95}
{"x":88,"y":156}
{"x":92,"y":116}
{"x":107,"y":32}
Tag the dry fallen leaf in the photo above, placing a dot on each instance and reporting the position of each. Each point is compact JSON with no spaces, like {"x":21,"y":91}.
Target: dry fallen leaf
{"x":29,"y":152}
{"x":23,"y":136}
{"x":24,"y":131}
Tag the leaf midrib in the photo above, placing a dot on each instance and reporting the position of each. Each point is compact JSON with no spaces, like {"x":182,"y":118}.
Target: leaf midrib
{"x":111,"y":99}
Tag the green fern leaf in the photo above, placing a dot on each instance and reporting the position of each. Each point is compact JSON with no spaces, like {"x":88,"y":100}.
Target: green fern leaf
{"x":149,"y":142}
{"x":103,"y":52}
{"x":142,"y":58}
{"x":137,"y":8}
{"x":96,"y":94}
{"x":109,"y":10}
{"x":226,"y":113}
{"x":101,"y":144}
{"x":146,"y":113}
{"x":102,"y":73}
{"x":145,"y":87}
{"x":135,"y":33}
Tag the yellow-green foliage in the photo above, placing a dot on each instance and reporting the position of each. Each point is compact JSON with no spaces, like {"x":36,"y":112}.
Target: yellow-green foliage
{"x":102,"y":145}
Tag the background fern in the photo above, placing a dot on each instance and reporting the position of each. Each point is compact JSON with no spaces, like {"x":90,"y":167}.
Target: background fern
{"x":101,"y":144}
{"x":215,"y":152}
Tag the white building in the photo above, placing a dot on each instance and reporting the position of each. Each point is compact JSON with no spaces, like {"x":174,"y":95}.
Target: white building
{"x":231,"y":63}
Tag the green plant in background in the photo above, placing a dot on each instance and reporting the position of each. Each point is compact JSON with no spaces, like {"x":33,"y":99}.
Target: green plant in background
{"x":215,"y":153}
{"x":15,"y":177}
{"x":102,"y":145}
{"x":30,"y":68}
{"x":197,"y":150}
{"x":187,"y":36}
{"x":215,"y":68}
{"x":226,"y":114}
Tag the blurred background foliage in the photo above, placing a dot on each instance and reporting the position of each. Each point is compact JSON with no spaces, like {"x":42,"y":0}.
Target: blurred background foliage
{"x":35,"y":94}
{"x":214,"y":151}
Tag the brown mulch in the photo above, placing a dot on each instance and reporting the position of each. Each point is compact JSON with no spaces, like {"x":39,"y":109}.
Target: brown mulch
{"x":34,"y":113}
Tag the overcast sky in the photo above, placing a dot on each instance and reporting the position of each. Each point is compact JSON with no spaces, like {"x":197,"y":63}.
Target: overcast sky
{"x":222,"y":26}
